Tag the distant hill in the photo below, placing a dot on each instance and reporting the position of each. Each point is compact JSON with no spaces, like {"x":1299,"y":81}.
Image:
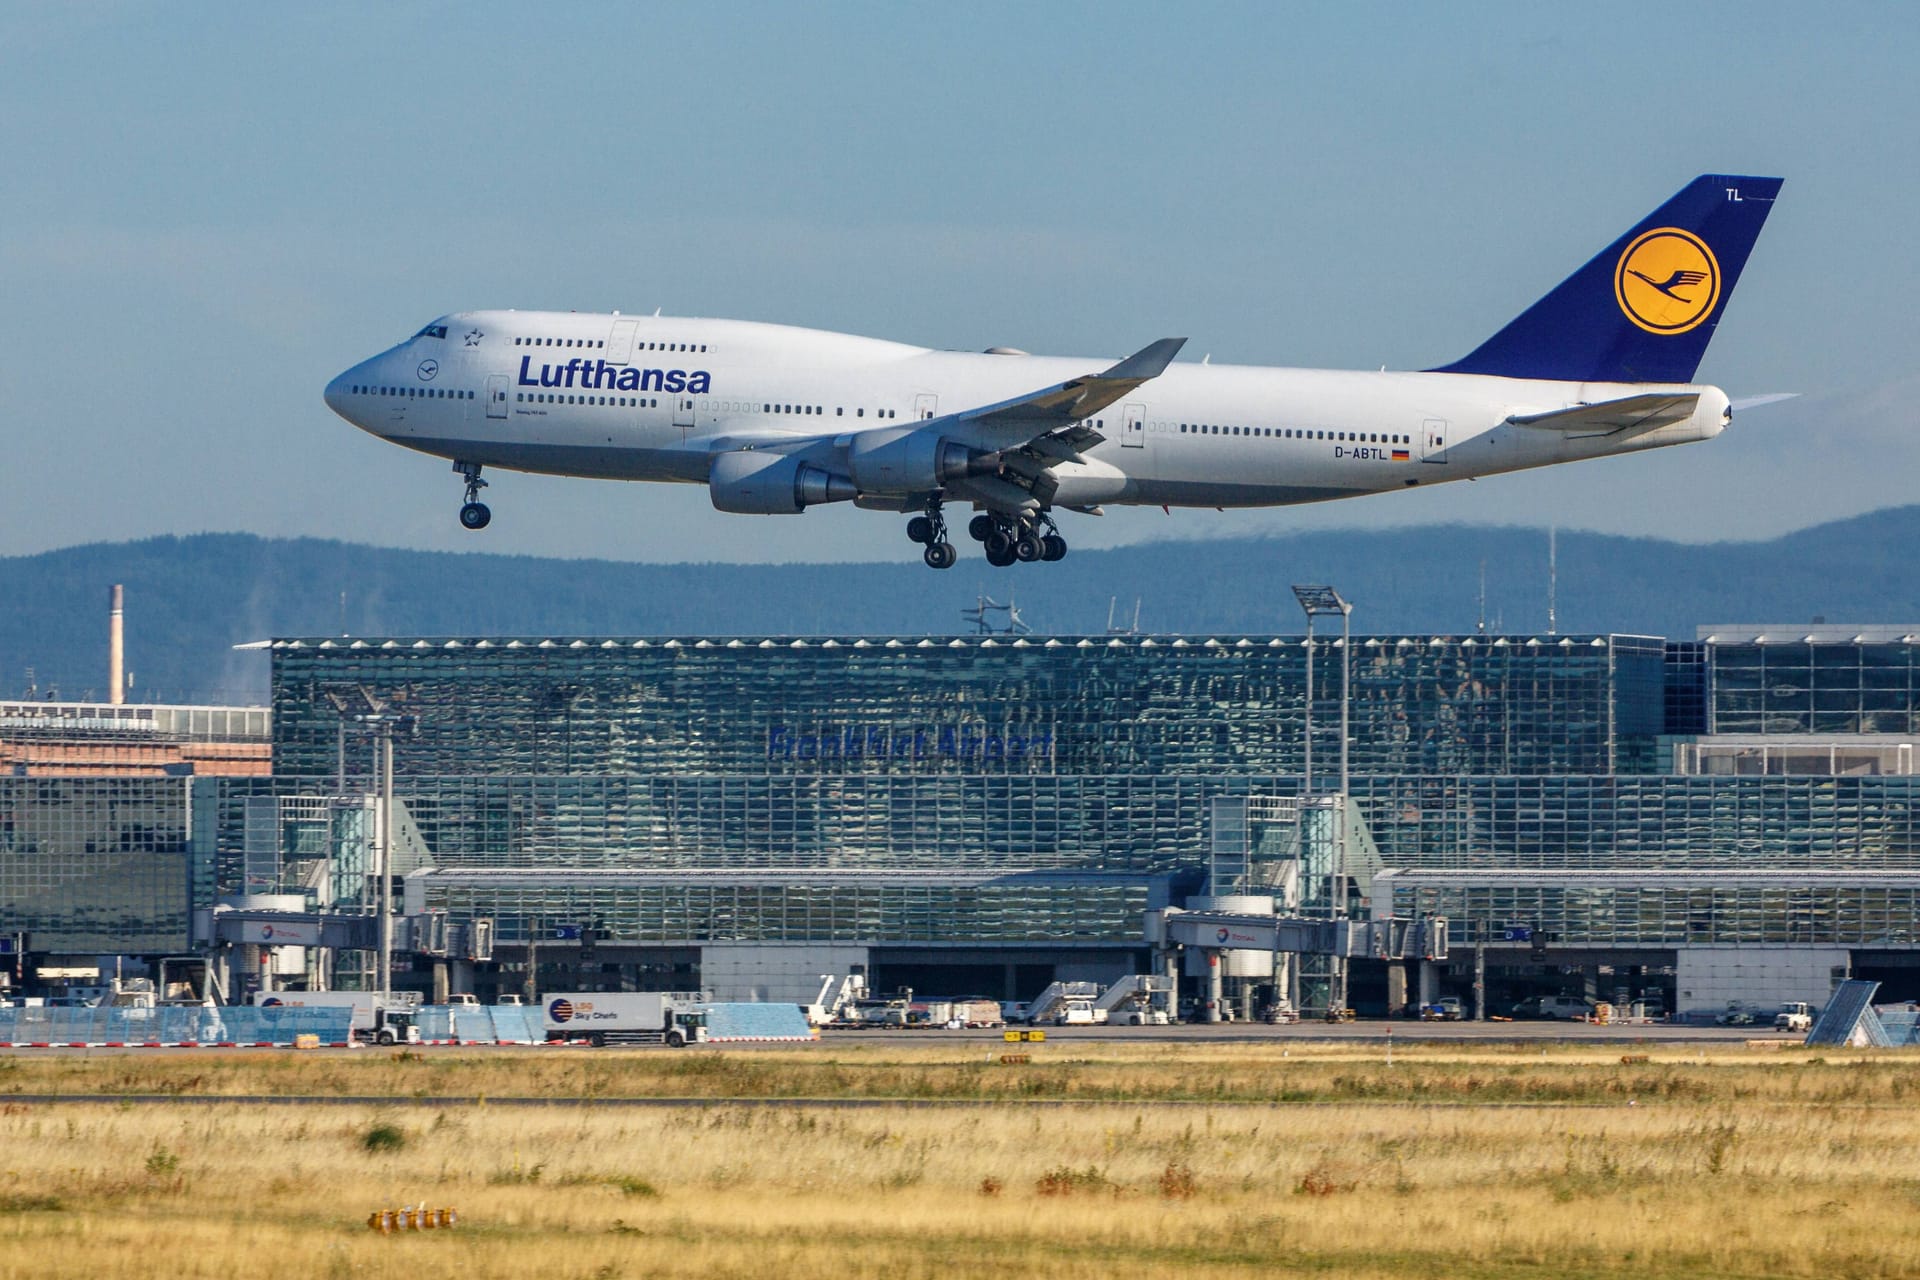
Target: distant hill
{"x":189,"y":600}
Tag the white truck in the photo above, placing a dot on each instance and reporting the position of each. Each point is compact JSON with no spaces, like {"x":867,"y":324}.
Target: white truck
{"x":674,"y":1018}
{"x":1796,"y":1015}
{"x":393,"y":1021}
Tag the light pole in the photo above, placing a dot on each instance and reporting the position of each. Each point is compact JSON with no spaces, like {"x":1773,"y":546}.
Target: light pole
{"x":1316,"y":602}
{"x":378,"y":717}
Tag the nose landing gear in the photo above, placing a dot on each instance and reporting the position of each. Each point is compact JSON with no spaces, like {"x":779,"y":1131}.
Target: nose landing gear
{"x":474,"y":514}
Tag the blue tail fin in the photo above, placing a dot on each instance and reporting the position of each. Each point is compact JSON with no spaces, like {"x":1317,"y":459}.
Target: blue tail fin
{"x":1646,"y":307}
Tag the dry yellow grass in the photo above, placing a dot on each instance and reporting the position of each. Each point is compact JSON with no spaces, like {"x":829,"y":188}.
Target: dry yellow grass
{"x":1749,"y":1183}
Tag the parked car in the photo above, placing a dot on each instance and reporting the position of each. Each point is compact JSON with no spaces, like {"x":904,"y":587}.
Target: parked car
{"x":1445,"y":1009}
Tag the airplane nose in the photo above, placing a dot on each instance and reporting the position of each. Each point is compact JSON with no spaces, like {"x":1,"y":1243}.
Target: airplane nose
{"x":336,"y":394}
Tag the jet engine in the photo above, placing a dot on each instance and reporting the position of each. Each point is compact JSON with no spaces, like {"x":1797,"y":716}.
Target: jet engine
{"x":750,"y":482}
{"x":912,"y":460}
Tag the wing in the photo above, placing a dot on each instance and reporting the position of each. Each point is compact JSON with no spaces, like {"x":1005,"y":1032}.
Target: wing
{"x":1068,"y":402}
{"x":1608,"y":417}
{"x":1014,"y":444}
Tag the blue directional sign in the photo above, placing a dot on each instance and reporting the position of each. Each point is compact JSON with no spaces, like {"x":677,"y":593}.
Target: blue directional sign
{"x":567,"y":932}
{"x":1518,"y":933}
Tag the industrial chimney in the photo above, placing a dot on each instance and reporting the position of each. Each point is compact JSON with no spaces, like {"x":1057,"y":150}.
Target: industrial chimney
{"x":116,"y":651}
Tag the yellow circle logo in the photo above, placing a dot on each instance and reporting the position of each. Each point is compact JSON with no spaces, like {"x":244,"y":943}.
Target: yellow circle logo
{"x":1667,"y":281}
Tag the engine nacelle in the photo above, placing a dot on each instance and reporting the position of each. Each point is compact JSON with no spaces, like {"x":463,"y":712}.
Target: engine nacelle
{"x":753,"y":483}
{"x":909,"y":460}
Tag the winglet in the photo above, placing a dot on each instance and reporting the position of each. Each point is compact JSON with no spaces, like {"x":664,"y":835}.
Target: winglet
{"x":1149,"y":361}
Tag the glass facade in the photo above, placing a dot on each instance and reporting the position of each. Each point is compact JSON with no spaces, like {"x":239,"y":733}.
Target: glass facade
{"x":1815,"y":685}
{"x":96,"y":864}
{"x":992,"y":791}
{"x":711,"y":764}
{"x":1021,"y":909}
{"x":1679,"y":915}
{"x":960,"y":707}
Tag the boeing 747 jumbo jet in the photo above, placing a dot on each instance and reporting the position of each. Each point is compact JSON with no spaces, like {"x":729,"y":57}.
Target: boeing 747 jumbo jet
{"x":774,"y":420}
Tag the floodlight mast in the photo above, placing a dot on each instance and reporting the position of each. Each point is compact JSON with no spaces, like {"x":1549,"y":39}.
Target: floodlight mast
{"x":1315,"y":602}
{"x":382,"y":721}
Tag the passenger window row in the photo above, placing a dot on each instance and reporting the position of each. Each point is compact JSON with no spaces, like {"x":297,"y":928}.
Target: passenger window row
{"x":1293,"y":433}
{"x":630,"y":402}
{"x":416,"y":393}
{"x":808,"y":410}
{"x":598,"y":344}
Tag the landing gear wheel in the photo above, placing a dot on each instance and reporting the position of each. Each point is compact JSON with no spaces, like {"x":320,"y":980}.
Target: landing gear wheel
{"x":1027,"y":548}
{"x":930,"y":531}
{"x":999,"y":550}
{"x":980,"y":528}
{"x":474,"y":515}
{"x":1053,"y":547}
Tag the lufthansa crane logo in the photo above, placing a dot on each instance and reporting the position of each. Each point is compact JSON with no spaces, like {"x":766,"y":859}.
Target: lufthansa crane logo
{"x":427,"y":369}
{"x":1667,"y":281}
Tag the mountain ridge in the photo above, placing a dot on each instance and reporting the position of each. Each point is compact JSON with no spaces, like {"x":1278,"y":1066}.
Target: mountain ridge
{"x":190,"y":598}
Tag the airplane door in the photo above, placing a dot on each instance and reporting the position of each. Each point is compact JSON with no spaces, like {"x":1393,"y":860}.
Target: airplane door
{"x":925,"y":407}
{"x":683,"y":412}
{"x":1133,"y":429}
{"x":496,"y":395}
{"x":1433,"y":436}
{"x":620,"y":341}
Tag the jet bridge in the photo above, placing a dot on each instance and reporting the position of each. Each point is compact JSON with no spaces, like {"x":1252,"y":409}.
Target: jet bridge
{"x":1393,"y":938}
{"x":1217,"y":932}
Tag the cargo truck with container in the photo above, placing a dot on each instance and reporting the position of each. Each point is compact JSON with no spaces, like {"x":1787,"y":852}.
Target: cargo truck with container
{"x":673,"y":1018}
{"x":394,"y":1020}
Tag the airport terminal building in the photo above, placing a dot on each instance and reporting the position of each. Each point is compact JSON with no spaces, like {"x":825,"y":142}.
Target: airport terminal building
{"x":1727,"y":817}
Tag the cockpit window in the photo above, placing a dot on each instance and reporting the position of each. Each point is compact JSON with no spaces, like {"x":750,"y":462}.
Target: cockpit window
{"x":432,"y":331}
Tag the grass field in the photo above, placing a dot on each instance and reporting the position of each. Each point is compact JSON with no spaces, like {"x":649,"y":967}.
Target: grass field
{"x":1454,"y":1161}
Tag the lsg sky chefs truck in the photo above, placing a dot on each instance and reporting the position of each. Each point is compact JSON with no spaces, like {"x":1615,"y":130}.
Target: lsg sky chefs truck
{"x":675,"y":1018}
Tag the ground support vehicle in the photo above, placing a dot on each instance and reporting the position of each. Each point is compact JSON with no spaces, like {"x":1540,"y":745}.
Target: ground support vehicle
{"x":673,"y":1018}
{"x":390,"y":1026}
{"x":370,"y":1012}
{"x":1796,"y":1015}
{"x":1572,"y":1008}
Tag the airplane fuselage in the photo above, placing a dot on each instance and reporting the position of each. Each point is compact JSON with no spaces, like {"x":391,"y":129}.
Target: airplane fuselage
{"x":657,"y":398}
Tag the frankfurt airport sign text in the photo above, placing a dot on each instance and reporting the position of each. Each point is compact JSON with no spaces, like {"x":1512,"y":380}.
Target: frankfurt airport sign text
{"x":948,"y":742}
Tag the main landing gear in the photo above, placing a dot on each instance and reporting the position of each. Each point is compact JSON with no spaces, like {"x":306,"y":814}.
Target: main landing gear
{"x":474,"y":514}
{"x":1024,"y":539}
{"x":930,"y":530}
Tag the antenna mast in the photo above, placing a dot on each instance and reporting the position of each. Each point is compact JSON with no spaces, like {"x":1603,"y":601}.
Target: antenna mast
{"x":1553,"y":580}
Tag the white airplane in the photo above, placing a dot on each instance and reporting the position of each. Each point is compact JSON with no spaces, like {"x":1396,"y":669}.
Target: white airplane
{"x":775,"y":419}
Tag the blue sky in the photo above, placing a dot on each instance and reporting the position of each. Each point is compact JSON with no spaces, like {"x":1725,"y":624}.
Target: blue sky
{"x":211,"y":211}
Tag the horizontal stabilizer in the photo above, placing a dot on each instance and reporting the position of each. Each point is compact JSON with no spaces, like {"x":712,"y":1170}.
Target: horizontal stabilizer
{"x":1608,"y":416}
